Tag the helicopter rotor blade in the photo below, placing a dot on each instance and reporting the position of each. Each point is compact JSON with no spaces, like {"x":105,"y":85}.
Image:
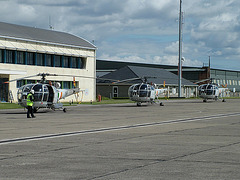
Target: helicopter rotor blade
{"x":88,"y":77}
{"x":143,"y":79}
{"x":43,"y":75}
{"x":20,"y":78}
{"x":147,"y":77}
{"x":127,"y":80}
{"x":209,"y":79}
{"x":39,"y":74}
{"x":46,"y":74}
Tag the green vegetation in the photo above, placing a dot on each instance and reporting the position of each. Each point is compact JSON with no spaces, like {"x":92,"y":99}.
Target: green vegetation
{"x":112,"y":101}
{"x":9,"y":106}
{"x":104,"y":101}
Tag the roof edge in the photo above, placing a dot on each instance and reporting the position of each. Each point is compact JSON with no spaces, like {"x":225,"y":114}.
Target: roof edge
{"x":51,"y":43}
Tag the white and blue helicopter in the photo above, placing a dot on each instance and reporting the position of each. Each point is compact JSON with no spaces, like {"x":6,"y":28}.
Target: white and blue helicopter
{"x":144,"y":92}
{"x":46,"y":95}
{"x":211,"y":91}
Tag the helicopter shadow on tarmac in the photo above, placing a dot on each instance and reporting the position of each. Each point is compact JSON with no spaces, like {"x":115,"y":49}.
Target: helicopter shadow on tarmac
{"x":17,"y":111}
{"x":195,"y":101}
{"x":132,"y":105}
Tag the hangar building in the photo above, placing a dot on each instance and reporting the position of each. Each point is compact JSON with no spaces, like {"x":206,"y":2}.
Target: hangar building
{"x":160,"y":77}
{"x":194,"y":74}
{"x":27,"y":51}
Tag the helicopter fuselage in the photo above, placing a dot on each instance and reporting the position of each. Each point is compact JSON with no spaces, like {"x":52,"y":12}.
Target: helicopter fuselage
{"x":210,"y":91}
{"x":143,"y":92}
{"x":45,"y":96}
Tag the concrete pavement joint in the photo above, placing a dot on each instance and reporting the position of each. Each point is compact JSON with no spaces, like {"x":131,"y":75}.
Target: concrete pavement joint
{"x":100,"y":130}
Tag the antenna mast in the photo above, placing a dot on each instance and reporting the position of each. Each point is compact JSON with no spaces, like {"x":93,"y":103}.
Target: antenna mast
{"x":50,"y":24}
{"x":180,"y":53}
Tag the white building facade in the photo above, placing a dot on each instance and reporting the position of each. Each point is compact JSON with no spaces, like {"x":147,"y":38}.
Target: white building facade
{"x":27,"y":51}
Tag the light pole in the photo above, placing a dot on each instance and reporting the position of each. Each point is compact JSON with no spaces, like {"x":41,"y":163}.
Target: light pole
{"x":180,"y":53}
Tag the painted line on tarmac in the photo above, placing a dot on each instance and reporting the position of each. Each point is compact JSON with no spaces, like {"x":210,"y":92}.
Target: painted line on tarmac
{"x":100,"y":130}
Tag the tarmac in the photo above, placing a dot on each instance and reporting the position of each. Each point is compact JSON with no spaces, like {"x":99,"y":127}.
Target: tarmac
{"x":184,"y":139}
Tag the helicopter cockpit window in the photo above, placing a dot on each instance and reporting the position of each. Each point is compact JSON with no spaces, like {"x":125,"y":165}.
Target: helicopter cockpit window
{"x":38,"y":88}
{"x":209,"y":87}
{"x":143,"y":87}
{"x":46,"y":89}
{"x":23,"y":92}
{"x":38,"y":92}
{"x":46,"y":93}
{"x":27,"y":88}
{"x":143,"y":90}
{"x":134,"y":90}
{"x":131,"y":88}
{"x":210,"y":90}
{"x":136,"y":87}
{"x":205,"y":86}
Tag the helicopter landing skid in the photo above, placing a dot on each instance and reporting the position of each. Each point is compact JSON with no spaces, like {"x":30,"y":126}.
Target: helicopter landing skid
{"x":59,"y":106}
{"x":158,"y":102}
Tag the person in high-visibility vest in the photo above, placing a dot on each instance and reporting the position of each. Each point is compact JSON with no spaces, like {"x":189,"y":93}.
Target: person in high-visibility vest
{"x":30,"y":99}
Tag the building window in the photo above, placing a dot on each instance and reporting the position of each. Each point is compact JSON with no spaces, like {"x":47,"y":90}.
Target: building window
{"x":30,"y":58}
{"x":20,"y":57}
{"x":80,"y":63}
{"x":74,"y":62}
{"x":31,"y":81}
{"x":10,"y":56}
{"x":58,"y":61}
{"x":66,"y":62}
{"x":1,"y":56}
{"x":66,"y":85}
{"x":229,"y":82}
{"x":83,"y":63}
{"x":49,"y":60}
{"x":20,"y":83}
{"x":40,"y":59}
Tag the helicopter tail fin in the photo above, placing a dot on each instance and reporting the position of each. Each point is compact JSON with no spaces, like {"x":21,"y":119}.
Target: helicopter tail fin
{"x":74,"y":82}
{"x":224,"y":86}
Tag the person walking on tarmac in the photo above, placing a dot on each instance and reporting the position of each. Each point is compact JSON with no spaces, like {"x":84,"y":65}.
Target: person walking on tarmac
{"x":30,"y":99}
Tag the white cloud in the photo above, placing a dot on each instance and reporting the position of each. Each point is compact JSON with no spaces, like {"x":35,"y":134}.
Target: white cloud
{"x":128,"y":58}
{"x":139,"y":30}
{"x":173,"y":60}
{"x":173,"y":48}
{"x":167,"y":60}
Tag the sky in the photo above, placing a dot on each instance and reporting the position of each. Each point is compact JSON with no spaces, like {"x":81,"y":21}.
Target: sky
{"x":144,"y":31}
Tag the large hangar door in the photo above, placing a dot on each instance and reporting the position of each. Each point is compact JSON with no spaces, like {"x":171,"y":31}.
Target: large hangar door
{"x":3,"y":89}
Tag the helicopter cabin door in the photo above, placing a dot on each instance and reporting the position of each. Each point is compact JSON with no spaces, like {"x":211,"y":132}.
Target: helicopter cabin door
{"x":51,"y":94}
{"x":115,"y":91}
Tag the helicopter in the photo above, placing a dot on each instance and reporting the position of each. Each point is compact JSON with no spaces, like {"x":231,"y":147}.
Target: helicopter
{"x":144,"y":92}
{"x":46,"y":95}
{"x":211,"y":91}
